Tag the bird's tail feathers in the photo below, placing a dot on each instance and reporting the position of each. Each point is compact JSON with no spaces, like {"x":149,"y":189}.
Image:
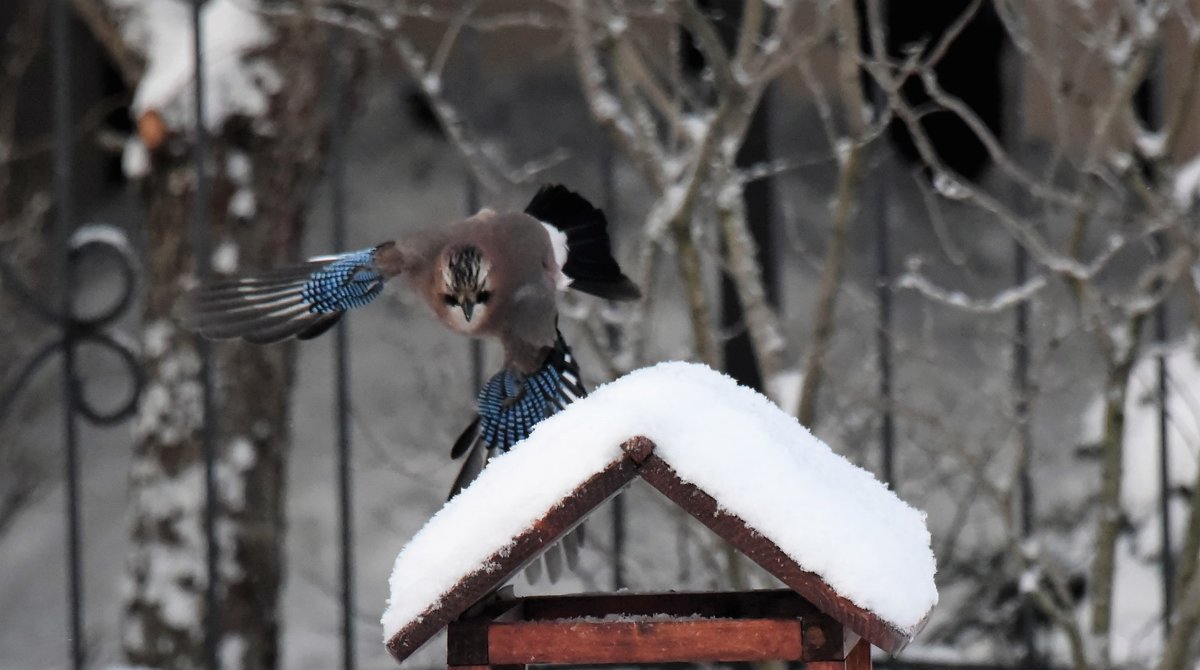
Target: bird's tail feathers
{"x":589,"y":261}
{"x":302,"y":301}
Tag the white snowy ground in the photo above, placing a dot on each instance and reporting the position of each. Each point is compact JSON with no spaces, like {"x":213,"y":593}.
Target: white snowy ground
{"x":411,"y":394}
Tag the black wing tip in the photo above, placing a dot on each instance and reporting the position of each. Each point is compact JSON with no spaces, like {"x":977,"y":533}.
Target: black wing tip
{"x":563,"y":208}
{"x":465,"y":440}
{"x":320,"y":326}
{"x":590,"y":263}
{"x":216,"y":322}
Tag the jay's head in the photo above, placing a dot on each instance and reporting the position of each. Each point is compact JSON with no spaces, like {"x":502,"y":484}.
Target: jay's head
{"x":465,"y":282}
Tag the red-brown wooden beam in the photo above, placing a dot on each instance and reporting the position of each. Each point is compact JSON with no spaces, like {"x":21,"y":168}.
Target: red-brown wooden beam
{"x":647,"y":628}
{"x":646,"y":641}
{"x":770,"y":557}
{"x":859,"y":658}
{"x":525,"y":547}
{"x":762,"y":604}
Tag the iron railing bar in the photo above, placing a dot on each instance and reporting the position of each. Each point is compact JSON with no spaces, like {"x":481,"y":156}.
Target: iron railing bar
{"x":63,"y":223}
{"x":337,"y":181}
{"x":1015,"y":82}
{"x":1150,"y":102}
{"x":8,"y":397}
{"x":470,"y":49}
{"x":883,"y":306}
{"x":201,"y":249}
{"x":1164,"y":466}
{"x":608,"y":188}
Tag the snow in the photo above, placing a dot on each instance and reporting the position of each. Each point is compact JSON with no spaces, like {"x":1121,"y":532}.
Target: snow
{"x":605,"y":106}
{"x":696,"y":126}
{"x":238,"y":167}
{"x":1187,"y":183}
{"x":617,"y":25}
{"x":232,"y":652}
{"x":162,"y":31}
{"x":1138,"y":582}
{"x":432,"y":83}
{"x":1151,"y":144}
{"x":243,"y":204}
{"x":999,"y":302}
{"x":949,"y":187}
{"x":225,"y":257}
{"x":135,"y":160}
{"x":730,"y":441}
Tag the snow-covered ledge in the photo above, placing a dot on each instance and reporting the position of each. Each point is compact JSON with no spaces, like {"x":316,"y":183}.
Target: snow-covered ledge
{"x":758,"y":463}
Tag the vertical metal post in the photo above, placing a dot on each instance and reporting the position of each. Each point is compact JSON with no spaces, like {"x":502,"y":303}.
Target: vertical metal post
{"x":609,"y":198}
{"x":883,"y":334}
{"x":1152,"y":110}
{"x":1148,"y":102}
{"x":337,"y":181}
{"x":470,"y":47}
{"x":1013,"y":102}
{"x":1164,"y":466}
{"x":883,"y":307}
{"x":63,"y":225}
{"x":1020,"y":381}
{"x":201,"y":248}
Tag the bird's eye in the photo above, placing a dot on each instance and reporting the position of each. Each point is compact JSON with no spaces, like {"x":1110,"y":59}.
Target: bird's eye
{"x":450,"y":300}
{"x":483,"y":297}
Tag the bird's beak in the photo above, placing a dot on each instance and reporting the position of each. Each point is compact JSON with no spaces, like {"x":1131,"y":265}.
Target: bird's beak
{"x":468,"y":308}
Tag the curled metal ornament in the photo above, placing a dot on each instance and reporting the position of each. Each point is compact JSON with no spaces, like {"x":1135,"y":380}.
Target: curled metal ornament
{"x":77,"y":330}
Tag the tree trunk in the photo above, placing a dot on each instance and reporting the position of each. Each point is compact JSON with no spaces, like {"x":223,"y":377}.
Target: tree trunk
{"x":166,"y":567}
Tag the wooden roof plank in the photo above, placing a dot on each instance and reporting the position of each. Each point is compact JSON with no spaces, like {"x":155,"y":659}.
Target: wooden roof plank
{"x":638,"y":459}
{"x":771,"y":558}
{"x":505,"y":563}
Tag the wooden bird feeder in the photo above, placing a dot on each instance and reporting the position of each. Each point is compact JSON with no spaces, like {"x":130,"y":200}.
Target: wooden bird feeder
{"x":808,"y":621}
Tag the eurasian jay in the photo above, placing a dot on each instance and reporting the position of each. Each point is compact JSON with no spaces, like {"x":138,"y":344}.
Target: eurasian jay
{"x":491,"y":275}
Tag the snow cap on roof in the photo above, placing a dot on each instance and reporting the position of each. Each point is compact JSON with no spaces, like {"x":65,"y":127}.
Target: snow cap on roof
{"x":828,"y":515}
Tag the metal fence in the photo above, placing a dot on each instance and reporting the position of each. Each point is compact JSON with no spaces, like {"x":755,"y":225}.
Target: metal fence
{"x":73,"y":242}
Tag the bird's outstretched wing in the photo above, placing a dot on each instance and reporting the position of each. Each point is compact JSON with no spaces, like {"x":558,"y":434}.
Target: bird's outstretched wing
{"x":301,"y":301}
{"x":589,"y":262}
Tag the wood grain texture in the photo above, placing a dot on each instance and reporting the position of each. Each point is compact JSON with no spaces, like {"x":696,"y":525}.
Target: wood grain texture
{"x":859,"y":657}
{"x":767,"y":554}
{"x":644,"y":641}
{"x":809,"y":616}
{"x":763,"y":604}
{"x":502,"y":565}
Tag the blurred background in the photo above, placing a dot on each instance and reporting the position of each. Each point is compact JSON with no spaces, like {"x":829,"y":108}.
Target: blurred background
{"x":958,"y":239}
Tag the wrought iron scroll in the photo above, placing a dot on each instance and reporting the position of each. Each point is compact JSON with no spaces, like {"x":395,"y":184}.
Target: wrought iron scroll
{"x":74,"y":331}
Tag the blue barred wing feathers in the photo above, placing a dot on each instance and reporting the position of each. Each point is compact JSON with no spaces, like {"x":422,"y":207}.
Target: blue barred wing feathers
{"x":509,"y":406}
{"x":300,"y":301}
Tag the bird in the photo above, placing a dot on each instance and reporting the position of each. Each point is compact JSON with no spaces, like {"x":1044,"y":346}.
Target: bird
{"x":492,"y":275}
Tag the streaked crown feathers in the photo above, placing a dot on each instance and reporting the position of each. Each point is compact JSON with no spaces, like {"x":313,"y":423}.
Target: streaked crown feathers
{"x":466,"y":270}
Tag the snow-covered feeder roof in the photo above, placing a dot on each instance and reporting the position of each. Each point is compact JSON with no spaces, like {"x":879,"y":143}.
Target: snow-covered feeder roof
{"x":823,"y":526}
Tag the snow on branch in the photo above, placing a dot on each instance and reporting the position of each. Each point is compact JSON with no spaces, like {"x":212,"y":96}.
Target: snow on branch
{"x":1010,"y":297}
{"x":235,"y":82}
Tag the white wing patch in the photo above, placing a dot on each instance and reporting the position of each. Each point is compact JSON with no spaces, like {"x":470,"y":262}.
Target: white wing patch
{"x":558,"y":242}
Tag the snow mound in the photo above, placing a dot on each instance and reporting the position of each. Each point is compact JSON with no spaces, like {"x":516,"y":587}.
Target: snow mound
{"x":161,"y":30}
{"x":730,"y":441}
